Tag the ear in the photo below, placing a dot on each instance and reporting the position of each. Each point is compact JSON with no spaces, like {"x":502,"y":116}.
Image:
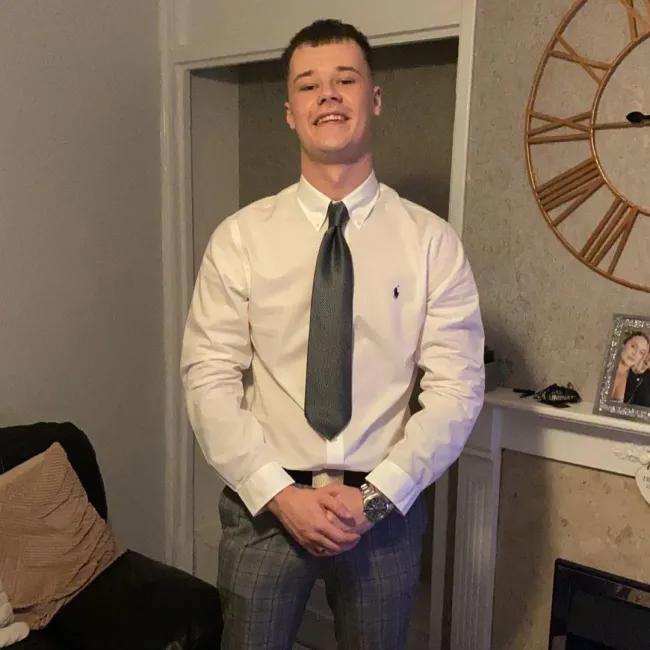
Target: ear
{"x":376,"y":101}
{"x":289,"y":116}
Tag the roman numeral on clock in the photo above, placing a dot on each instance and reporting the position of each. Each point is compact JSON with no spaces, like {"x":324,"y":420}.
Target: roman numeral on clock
{"x":575,"y":185}
{"x":638,"y":23}
{"x":595,"y":69}
{"x":592,"y":196}
{"x":613,"y":228}
{"x":574,"y":122}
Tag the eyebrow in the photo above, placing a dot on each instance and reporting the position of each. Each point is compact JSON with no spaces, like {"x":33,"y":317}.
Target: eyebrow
{"x":339,"y":68}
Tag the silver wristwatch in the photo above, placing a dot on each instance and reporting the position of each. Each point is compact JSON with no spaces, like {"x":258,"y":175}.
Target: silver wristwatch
{"x":375,"y":505}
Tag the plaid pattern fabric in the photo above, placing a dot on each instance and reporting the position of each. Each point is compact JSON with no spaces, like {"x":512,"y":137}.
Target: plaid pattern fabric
{"x":265,"y":579}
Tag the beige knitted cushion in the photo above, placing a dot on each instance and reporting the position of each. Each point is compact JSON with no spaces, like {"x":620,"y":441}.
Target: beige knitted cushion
{"x":52,"y":541}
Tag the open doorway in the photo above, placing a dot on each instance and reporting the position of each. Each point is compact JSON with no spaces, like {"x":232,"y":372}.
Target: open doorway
{"x":242,"y":150}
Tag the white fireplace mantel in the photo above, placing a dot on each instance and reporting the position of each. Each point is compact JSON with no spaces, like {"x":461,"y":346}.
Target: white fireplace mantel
{"x":572,"y":435}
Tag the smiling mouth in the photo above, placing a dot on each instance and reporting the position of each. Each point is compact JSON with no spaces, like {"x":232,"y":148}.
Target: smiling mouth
{"x":330,"y":118}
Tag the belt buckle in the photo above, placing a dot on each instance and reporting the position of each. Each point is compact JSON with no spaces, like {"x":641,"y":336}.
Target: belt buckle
{"x":327,"y":477}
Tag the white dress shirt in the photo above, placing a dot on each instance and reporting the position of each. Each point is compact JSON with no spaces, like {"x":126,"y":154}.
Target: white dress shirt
{"x":415,"y":303}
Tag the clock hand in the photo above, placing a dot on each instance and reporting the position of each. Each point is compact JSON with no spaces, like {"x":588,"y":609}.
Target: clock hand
{"x":635,"y":117}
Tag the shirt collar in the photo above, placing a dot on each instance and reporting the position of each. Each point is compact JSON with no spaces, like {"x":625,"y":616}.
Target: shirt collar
{"x":359,"y":202}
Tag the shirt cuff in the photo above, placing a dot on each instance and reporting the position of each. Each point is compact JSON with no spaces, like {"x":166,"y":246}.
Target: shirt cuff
{"x":395,"y":484}
{"x":261,"y":486}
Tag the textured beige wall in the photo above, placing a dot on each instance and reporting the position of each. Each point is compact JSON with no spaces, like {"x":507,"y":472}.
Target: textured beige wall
{"x":80,"y":295}
{"x":546,"y":313}
{"x":413,"y":136}
{"x":549,"y":510}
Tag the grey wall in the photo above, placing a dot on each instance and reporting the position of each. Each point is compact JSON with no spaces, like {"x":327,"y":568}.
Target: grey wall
{"x":80,"y":261}
{"x":215,"y":152}
{"x":544,"y":311}
{"x":215,"y":194}
{"x":413,"y":136}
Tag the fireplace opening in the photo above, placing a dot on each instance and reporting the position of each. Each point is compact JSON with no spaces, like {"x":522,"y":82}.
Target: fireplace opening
{"x":594,"y":610}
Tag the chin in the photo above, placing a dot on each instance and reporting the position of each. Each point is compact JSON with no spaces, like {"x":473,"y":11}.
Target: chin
{"x":337,"y":153}
{"x":333,"y":145}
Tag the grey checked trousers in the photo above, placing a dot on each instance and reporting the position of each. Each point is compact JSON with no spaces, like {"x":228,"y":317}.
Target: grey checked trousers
{"x":265,"y":579}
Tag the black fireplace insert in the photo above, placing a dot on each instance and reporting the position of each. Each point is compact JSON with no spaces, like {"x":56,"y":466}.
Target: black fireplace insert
{"x":594,"y":610}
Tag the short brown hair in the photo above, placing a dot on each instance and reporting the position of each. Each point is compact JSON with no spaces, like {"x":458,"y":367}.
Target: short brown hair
{"x":327,"y":30}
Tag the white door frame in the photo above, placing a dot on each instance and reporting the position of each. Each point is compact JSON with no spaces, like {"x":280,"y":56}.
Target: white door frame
{"x":177,"y":265}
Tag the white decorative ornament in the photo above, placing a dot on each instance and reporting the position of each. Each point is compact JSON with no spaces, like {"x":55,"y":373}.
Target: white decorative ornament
{"x":643,"y":481}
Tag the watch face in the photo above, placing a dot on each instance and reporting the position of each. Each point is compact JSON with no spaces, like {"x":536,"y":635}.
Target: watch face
{"x":588,"y":137}
{"x":375,"y":508}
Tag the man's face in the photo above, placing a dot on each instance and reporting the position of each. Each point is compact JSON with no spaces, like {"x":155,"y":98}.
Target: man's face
{"x":332,"y":101}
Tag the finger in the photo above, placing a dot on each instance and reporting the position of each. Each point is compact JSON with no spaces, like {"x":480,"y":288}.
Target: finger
{"x":335,"y":505}
{"x":350,"y":546}
{"x":318,"y":541}
{"x":336,"y":534}
{"x":320,"y":552}
{"x":346,"y":525}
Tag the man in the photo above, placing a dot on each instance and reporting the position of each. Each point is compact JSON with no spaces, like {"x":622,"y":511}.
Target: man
{"x":332,"y":292}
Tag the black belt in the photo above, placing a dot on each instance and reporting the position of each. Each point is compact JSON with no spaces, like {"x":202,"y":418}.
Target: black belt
{"x":304,"y":477}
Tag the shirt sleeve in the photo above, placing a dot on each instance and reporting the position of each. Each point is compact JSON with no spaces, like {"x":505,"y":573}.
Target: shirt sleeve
{"x":215,"y":353}
{"x":451,"y":357}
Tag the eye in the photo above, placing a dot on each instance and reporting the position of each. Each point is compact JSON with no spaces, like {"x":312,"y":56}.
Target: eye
{"x":347,"y":80}
{"x":306,"y":87}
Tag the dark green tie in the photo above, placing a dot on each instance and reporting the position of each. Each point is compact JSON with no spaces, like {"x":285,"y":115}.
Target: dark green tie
{"x":328,"y":385}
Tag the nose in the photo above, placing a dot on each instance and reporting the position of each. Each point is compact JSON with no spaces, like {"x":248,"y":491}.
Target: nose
{"x":329,"y":92}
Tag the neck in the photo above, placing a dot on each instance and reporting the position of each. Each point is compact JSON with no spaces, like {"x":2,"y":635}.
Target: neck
{"x":336,"y":180}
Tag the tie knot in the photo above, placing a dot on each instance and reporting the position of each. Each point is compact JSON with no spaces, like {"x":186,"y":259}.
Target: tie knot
{"x":337,"y":214}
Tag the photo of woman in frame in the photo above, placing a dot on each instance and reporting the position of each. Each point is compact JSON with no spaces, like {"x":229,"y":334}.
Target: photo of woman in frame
{"x":624,"y":389}
{"x":633,"y":354}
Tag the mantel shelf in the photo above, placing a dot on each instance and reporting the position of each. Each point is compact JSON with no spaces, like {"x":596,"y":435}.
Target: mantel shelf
{"x":580,"y":413}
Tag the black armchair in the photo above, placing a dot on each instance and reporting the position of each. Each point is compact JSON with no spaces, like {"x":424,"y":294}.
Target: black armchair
{"x":136,"y":603}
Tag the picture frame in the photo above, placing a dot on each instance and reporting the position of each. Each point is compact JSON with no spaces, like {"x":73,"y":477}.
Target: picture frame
{"x":624,"y":388}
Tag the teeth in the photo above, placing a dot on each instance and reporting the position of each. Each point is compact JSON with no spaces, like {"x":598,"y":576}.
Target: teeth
{"x":330,"y":118}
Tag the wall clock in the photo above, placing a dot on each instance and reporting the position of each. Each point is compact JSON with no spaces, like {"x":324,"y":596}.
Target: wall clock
{"x":588,"y":137}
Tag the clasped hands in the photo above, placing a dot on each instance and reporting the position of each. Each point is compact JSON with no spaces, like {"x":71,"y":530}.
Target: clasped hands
{"x":326,"y":521}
